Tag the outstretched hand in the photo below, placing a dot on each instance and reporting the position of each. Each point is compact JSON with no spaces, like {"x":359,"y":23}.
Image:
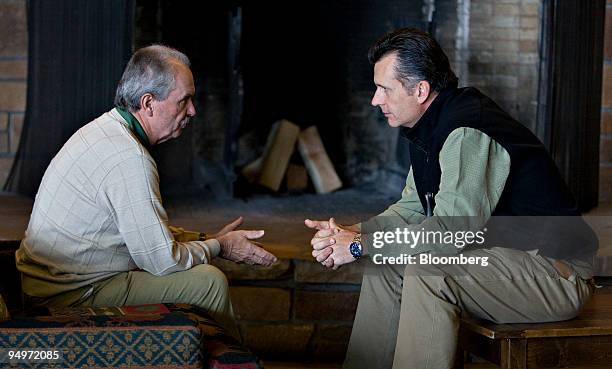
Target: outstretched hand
{"x":228,"y":228}
{"x":238,"y":246}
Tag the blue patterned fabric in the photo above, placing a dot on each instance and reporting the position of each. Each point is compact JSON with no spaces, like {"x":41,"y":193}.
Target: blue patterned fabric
{"x":185,"y":337}
{"x":169,"y":341}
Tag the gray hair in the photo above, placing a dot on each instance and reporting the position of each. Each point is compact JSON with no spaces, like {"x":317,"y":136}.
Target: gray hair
{"x":150,"y":70}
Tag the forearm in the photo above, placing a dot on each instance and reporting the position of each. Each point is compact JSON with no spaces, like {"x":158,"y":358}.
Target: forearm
{"x":354,"y":228}
{"x":474,"y":169}
{"x":407,"y":210}
{"x":411,"y":239}
{"x":135,"y":201}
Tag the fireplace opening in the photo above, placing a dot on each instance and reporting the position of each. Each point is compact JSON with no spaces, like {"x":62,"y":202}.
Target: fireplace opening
{"x":258,"y":63}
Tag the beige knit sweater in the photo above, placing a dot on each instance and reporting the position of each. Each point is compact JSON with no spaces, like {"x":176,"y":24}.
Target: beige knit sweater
{"x":98,"y":212}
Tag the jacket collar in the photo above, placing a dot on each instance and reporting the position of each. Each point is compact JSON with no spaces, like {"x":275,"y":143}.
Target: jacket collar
{"x":421,"y":133}
{"x":135,"y":126}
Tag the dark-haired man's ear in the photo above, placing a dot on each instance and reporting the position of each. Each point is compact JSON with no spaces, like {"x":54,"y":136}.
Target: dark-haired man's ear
{"x":423,"y":89}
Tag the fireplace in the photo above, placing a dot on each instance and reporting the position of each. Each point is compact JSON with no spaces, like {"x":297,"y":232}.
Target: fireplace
{"x":305,"y":61}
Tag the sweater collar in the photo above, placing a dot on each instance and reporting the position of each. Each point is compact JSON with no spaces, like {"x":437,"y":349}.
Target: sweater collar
{"x":422,"y":131}
{"x":135,"y":126}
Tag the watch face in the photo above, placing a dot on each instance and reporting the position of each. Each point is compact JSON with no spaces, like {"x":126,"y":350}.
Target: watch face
{"x":355,"y":249}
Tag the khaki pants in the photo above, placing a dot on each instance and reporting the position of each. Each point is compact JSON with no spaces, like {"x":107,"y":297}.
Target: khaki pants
{"x":203,"y":285}
{"x":408,"y":315}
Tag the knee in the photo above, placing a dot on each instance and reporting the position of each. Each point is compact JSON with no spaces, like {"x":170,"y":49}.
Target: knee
{"x":384,"y":272}
{"x":212,"y":277}
{"x":426,"y":279}
{"x":422,"y":270}
{"x":429,"y":285}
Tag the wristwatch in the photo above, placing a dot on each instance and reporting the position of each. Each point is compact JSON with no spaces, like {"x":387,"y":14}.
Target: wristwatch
{"x":355,"y":247}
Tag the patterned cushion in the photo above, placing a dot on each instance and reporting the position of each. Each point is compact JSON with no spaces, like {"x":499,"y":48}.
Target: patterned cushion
{"x":149,"y":336}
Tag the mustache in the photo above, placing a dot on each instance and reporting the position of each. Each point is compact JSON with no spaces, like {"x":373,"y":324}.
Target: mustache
{"x":185,"y":121}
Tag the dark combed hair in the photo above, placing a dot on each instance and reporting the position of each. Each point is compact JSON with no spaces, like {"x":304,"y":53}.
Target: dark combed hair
{"x":419,"y":58}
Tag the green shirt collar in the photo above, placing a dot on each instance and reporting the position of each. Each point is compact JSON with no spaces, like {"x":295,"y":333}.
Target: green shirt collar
{"x":135,"y":126}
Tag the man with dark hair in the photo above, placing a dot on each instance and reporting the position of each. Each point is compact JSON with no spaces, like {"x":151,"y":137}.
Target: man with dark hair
{"x":99,"y":235}
{"x":471,"y":163}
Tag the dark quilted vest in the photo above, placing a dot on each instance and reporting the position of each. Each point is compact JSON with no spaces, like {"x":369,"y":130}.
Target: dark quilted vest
{"x":534,"y":186}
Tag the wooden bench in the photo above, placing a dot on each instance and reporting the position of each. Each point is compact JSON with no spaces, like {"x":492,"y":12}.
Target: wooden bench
{"x":583,"y":342}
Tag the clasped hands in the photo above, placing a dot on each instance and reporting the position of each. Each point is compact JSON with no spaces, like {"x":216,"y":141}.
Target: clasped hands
{"x":331,"y":242}
{"x":238,"y":245}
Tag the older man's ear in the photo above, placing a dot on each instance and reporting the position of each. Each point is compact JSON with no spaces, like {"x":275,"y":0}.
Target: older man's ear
{"x":146,"y":104}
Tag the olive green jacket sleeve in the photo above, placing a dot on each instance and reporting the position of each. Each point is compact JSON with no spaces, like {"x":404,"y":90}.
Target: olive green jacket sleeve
{"x":474,"y":169}
{"x":409,"y":207}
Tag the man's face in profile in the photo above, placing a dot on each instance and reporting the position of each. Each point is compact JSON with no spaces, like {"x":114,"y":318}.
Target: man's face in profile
{"x":398,"y":104}
{"x":172,"y":114}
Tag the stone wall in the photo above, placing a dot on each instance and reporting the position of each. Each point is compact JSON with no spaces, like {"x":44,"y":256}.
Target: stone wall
{"x":605,"y":152}
{"x":493,"y":45}
{"x":296,"y":309}
{"x":13,"y":82}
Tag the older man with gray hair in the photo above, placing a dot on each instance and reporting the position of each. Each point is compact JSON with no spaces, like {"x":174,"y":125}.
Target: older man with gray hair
{"x":99,"y":235}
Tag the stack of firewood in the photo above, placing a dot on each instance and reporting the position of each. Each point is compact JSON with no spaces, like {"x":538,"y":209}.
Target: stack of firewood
{"x":274,"y":165}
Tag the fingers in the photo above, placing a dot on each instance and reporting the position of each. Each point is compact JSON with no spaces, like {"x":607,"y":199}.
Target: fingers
{"x":317,"y":224}
{"x":229,"y":227}
{"x":329,"y":262}
{"x":252,"y":235}
{"x":246,"y":251}
{"x":255,"y":255}
{"x":321,"y":243}
{"x":333,"y":224}
{"x":233,"y":225}
{"x":323,"y":254}
{"x":323,"y":240}
{"x":326,"y":233}
{"x":263,"y":257}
